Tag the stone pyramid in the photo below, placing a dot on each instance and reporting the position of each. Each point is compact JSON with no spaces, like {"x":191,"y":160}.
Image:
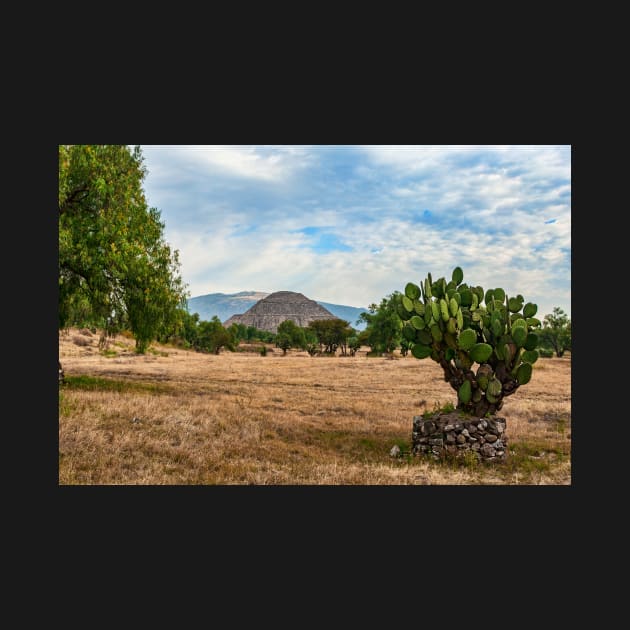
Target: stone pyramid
{"x":268,"y":313}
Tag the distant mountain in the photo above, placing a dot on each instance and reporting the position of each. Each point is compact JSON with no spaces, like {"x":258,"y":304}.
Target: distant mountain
{"x":224,"y":305}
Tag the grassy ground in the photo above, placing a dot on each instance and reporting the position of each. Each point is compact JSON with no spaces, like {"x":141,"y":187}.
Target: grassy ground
{"x":178,"y":417}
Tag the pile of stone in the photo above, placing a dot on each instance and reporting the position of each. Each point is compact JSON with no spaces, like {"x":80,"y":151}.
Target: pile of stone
{"x":453,"y":434}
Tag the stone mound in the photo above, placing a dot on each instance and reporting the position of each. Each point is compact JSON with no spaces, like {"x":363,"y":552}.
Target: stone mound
{"x":268,"y":313}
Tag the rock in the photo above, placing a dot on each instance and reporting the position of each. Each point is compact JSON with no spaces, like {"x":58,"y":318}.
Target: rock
{"x":436,"y":442}
{"x":461,"y":439}
{"x":465,"y":433}
{"x":395,"y":452}
{"x":490,"y":437}
{"x":487,"y":451}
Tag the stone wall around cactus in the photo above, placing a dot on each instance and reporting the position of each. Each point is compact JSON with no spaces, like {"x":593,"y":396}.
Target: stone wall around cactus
{"x":453,"y":434}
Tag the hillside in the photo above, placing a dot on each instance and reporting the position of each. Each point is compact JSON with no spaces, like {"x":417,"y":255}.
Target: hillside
{"x":224,"y":305}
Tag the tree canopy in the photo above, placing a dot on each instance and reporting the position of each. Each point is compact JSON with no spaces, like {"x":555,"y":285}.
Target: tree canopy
{"x":383,"y":330}
{"x":556,"y":332}
{"x":115,"y":268}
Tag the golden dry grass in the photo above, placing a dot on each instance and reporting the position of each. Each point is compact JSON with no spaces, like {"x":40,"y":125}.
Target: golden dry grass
{"x":240,"y":418}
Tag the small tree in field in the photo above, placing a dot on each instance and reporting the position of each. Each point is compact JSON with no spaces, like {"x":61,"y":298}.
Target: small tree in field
{"x":484,"y":341}
{"x":556,"y":331}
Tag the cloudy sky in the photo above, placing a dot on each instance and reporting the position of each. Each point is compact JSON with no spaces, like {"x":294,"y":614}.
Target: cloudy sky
{"x":351,"y":224}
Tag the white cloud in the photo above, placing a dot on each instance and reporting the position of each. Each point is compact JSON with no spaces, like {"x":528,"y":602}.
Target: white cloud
{"x":236,"y":214}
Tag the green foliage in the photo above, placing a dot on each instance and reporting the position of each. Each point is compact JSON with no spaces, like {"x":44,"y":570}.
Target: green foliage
{"x":354,"y":343}
{"x":463,"y":326}
{"x":405,"y":346}
{"x":383,"y":332}
{"x":331,"y":334}
{"x":115,"y":269}
{"x":212,"y":337}
{"x":556,"y":332}
{"x":291,"y":334}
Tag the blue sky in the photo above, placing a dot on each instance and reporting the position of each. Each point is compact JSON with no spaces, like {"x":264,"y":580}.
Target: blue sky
{"x":351,"y":224}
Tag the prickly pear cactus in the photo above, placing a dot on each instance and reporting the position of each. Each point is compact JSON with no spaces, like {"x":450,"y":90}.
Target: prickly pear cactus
{"x":485,"y":341}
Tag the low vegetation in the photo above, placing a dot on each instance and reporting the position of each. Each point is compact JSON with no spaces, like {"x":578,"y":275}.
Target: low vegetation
{"x":176,"y":416}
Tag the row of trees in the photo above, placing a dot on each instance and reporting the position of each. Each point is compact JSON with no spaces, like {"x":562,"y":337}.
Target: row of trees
{"x":324,"y":336}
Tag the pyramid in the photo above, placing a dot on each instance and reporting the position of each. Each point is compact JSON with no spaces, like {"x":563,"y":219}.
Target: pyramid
{"x":268,"y":313}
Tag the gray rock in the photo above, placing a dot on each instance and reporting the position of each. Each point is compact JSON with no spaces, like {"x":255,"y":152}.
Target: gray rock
{"x":461,"y":439}
{"x":490,"y":437}
{"x":487,"y":451}
{"x":395,"y":452}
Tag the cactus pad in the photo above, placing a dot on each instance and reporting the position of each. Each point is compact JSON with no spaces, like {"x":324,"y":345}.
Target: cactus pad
{"x":420,"y":351}
{"x":480,"y":352}
{"x":467,"y":339}
{"x":465,"y":392}
{"x":412,"y":291}
{"x":524,"y":373}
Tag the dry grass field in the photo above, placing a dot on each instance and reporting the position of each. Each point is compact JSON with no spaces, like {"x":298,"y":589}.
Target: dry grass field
{"x":178,"y":417}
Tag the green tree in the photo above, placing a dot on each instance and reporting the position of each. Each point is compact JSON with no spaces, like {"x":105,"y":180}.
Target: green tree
{"x":556,"y":332}
{"x":384,"y":326}
{"x":283,"y":341}
{"x":212,"y":337}
{"x":115,"y":269}
{"x":290,"y":335}
{"x":331,"y":334}
{"x":354,"y":344}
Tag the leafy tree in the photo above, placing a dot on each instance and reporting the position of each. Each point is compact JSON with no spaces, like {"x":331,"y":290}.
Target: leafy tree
{"x":115,"y":269}
{"x":284,"y":342}
{"x":556,"y":332}
{"x":212,"y":336}
{"x":354,"y":344}
{"x":291,"y":335}
{"x":238,"y":331}
{"x":384,"y":326}
{"x":331,"y":334}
